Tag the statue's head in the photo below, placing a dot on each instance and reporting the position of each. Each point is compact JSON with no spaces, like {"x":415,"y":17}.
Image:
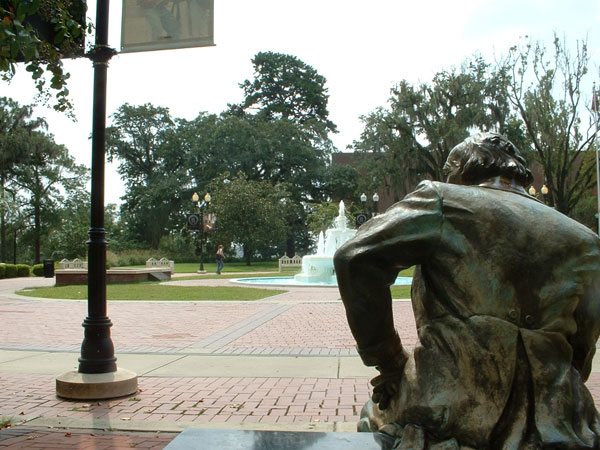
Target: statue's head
{"x":484,"y":156}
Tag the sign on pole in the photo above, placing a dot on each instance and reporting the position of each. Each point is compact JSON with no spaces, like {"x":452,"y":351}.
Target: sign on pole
{"x":209,"y":222}
{"x":193,"y":221}
{"x":166,"y":24}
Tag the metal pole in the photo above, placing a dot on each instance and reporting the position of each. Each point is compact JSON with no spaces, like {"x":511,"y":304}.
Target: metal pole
{"x":595,"y":114}
{"x":201,"y":240}
{"x":97,"y":349}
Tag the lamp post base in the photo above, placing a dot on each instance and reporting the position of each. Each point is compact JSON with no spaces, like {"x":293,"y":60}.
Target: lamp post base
{"x":95,"y":386}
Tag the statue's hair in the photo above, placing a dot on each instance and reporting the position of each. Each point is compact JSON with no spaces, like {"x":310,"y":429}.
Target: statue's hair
{"x":484,"y":156}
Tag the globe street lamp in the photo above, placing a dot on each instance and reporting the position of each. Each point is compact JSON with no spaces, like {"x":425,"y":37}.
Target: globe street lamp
{"x":367,"y":214}
{"x":375,"y":203}
{"x":543,"y":190}
{"x":201,"y":207}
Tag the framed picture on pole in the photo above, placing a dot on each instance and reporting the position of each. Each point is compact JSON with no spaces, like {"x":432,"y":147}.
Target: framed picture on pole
{"x":166,"y":24}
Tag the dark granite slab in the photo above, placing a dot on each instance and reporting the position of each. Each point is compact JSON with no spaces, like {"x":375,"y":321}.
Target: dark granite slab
{"x":204,"y":439}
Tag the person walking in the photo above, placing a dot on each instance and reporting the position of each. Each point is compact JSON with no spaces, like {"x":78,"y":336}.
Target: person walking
{"x":220,"y":256}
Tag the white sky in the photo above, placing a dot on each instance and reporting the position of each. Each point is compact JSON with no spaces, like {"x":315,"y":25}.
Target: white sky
{"x":361,"y":47}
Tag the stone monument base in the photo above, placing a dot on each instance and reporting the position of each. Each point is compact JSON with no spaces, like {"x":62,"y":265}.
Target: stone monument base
{"x":205,"y":439}
{"x":95,"y":386}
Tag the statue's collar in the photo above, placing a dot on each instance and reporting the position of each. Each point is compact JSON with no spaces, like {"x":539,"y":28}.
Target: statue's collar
{"x":504,"y":184}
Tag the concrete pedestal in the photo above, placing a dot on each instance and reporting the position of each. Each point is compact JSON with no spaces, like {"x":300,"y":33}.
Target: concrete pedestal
{"x":95,"y":386}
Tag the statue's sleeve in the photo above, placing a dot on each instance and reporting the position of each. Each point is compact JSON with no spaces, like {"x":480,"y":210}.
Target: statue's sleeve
{"x":368,"y":264}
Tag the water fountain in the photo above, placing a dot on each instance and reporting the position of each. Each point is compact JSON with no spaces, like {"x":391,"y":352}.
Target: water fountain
{"x":318,"y":268}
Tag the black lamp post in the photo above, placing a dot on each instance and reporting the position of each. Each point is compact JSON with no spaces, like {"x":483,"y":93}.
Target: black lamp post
{"x":375,"y":204}
{"x":201,"y":206}
{"x":98,"y":375}
{"x":97,"y":350}
{"x":372,"y":210}
{"x":361,"y":218}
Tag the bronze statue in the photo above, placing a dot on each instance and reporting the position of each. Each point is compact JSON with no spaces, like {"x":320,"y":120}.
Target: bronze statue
{"x":506,"y":301}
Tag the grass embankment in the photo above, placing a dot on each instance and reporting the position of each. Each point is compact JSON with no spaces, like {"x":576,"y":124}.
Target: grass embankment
{"x":154,"y":291}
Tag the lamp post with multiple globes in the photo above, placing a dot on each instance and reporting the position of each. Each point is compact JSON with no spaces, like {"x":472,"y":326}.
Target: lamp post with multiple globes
{"x":200,"y":208}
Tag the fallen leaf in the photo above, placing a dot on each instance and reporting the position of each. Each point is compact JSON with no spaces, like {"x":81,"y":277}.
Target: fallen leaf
{"x":125,"y":418}
{"x":68,"y":434}
{"x":86,"y":405}
{"x":21,"y":413}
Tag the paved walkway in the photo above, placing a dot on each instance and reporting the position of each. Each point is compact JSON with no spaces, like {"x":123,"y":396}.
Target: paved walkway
{"x":286,"y":362}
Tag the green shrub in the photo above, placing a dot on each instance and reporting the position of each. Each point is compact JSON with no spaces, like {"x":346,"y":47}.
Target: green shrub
{"x":2,"y":271}
{"x":38,"y":270}
{"x":23,"y":270}
{"x":178,"y":246}
{"x":112,"y":259}
{"x":132,"y":258}
{"x":11,"y":271}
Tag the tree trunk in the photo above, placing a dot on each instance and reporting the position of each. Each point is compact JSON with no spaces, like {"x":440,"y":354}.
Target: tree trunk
{"x":2,"y":237}
{"x":290,"y":247}
{"x":38,"y":232}
{"x":247,"y":255}
{"x":2,"y":229}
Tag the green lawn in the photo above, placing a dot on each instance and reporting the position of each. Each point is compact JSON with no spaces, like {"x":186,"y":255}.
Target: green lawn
{"x":154,"y":291}
{"x":400,"y":291}
{"x":225,"y":275}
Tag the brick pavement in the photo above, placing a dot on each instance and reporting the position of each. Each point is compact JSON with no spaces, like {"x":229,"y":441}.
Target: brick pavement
{"x":169,"y":403}
{"x":298,"y":323}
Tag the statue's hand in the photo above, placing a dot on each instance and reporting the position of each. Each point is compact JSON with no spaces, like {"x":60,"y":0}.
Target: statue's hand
{"x":385,"y":387}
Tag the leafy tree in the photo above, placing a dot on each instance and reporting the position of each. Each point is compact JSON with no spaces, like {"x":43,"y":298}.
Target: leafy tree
{"x":14,"y":222}
{"x":249,"y":213}
{"x":40,"y":33}
{"x":70,"y":231}
{"x":545,"y":89}
{"x":284,"y":87}
{"x":275,"y":151}
{"x":154,"y":167}
{"x":16,"y":126}
{"x":340,"y":182}
{"x":49,"y":171}
{"x":411,"y":139}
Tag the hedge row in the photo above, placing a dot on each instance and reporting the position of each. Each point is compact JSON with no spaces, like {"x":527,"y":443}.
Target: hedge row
{"x":20,"y":270}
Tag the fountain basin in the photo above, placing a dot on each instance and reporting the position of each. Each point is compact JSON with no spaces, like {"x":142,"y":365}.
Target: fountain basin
{"x":316,"y":269}
{"x":292,"y":282}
